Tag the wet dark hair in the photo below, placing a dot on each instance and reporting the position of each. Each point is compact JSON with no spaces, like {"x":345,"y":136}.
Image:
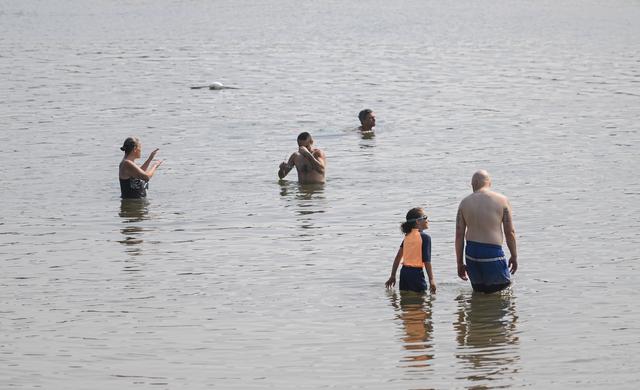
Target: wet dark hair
{"x":363,"y":115}
{"x":303,"y":136}
{"x":411,"y":223}
{"x":130,"y":144}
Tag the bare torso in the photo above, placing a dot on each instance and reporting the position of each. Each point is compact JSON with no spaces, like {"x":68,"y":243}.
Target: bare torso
{"x":483,"y":213}
{"x":307,"y":173}
{"x":309,"y":162}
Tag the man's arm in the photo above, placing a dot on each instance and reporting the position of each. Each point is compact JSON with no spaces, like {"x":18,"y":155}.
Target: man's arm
{"x":286,"y":166}
{"x":510,"y":236}
{"x":461,"y":228}
{"x":317,"y":158}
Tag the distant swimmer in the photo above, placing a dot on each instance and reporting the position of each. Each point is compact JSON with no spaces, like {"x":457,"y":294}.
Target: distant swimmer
{"x":415,"y":253}
{"x":134,"y":179}
{"x":310,"y":162}
{"x":216,"y":86}
{"x":481,"y":218}
{"x":367,"y":120}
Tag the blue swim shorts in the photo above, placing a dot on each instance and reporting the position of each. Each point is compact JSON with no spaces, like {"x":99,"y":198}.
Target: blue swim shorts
{"x":412,"y":279}
{"x":487,"y":267}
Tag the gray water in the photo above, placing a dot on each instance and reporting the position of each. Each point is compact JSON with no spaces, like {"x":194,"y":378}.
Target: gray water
{"x":226,"y":278}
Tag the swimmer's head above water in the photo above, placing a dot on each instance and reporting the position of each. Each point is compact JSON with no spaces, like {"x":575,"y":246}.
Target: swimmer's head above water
{"x":367,"y":119}
{"x":131,"y":144}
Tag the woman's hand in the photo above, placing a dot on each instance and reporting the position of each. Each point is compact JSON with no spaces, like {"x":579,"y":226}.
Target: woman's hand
{"x":153,"y":154}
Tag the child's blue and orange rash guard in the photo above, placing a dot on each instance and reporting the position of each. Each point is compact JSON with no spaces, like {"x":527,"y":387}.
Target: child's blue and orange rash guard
{"x":416,"y":249}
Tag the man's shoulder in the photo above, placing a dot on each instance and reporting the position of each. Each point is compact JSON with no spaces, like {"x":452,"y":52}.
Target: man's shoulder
{"x":471,"y":198}
{"x":501,"y":198}
{"x":318,"y":152}
{"x":294,"y":159}
{"x":467,"y":199}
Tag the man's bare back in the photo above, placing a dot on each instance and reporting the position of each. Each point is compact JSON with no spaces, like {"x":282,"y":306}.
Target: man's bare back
{"x":484,"y":212}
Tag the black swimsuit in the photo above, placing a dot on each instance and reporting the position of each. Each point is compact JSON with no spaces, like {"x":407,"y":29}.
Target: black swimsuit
{"x":133,"y":188}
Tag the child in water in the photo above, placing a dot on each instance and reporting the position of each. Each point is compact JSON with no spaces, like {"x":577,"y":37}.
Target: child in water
{"x":415,"y":253}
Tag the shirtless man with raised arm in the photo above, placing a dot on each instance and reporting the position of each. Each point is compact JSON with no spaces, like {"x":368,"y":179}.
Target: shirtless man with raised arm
{"x":309,"y":162}
{"x":481,"y":218}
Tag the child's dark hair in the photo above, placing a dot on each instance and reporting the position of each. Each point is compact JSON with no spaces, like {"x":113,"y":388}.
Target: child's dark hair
{"x":411,"y":222}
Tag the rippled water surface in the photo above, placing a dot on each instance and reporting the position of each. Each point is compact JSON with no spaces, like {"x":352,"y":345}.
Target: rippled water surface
{"x":226,"y":278}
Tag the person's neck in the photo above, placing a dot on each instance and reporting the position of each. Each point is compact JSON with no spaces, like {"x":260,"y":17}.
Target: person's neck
{"x":483,"y":189}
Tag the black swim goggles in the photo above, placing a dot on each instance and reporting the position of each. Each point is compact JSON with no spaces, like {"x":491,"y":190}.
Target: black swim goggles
{"x":422,"y":218}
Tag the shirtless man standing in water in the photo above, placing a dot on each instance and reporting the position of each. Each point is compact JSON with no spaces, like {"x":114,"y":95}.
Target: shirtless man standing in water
{"x":482,"y":216}
{"x":309,"y":162}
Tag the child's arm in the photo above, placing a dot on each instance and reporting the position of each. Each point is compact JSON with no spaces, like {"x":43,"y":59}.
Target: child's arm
{"x":426,"y":258}
{"x":392,"y":280}
{"x":432,"y":280}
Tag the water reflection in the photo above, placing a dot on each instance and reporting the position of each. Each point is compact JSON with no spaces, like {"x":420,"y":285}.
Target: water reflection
{"x":415,"y":312}
{"x":367,"y":139}
{"x":487,"y":337}
{"x":367,"y":135}
{"x":133,"y":212}
{"x":308,"y":199}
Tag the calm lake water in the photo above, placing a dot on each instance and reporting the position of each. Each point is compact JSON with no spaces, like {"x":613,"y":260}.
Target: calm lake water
{"x":226,"y":278}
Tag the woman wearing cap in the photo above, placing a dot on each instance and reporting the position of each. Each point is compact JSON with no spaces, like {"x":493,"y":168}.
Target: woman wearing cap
{"x":415,"y":253}
{"x":133,"y":178}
